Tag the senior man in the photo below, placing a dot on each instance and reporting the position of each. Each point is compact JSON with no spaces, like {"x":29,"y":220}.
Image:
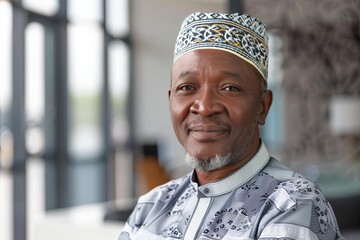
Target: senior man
{"x":218,"y":98}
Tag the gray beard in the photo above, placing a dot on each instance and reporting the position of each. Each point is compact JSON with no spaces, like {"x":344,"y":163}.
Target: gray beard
{"x":208,"y":165}
{"x":218,"y":161}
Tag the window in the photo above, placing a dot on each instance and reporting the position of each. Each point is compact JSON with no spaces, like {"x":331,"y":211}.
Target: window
{"x":118,"y":89}
{"x":85,"y":89}
{"x":65,"y":81}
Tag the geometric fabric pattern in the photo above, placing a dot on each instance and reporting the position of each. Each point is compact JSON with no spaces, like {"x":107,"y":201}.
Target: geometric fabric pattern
{"x":239,"y":34}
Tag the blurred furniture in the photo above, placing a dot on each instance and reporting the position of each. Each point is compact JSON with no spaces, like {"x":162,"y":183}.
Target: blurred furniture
{"x":149,"y":172}
{"x":347,"y":211}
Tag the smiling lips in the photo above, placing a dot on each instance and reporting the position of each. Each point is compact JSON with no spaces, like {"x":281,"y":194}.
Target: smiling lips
{"x":206,"y":132}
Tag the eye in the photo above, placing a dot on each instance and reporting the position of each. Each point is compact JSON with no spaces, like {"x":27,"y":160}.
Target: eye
{"x":186,"y":88}
{"x":231,"y":88}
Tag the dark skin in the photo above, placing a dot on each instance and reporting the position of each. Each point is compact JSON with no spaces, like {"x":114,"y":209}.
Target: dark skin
{"x":216,"y":104}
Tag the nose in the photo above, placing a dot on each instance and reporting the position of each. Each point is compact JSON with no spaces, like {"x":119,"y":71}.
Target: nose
{"x":207,"y":103}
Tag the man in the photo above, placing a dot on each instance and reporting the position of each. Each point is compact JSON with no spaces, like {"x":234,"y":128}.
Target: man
{"x":218,"y":97}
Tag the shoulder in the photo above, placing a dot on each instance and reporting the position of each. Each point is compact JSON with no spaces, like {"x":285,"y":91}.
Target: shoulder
{"x":300,"y":201}
{"x":301,"y":193}
{"x":293,"y":184}
{"x":301,"y":205}
{"x":294,"y":189}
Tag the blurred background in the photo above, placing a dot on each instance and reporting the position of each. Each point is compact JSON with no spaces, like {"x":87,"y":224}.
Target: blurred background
{"x":84,"y":117}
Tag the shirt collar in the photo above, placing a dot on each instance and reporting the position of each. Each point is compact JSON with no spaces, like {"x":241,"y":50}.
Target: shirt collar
{"x":241,"y":176}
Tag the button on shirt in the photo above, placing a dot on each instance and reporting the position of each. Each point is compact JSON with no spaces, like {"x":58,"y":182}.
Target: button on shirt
{"x":262,"y":200}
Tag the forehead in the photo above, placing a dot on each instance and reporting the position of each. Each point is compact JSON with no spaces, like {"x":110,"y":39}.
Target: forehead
{"x":213,"y":61}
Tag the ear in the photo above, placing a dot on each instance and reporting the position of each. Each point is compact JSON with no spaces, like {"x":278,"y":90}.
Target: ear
{"x":266,"y":101}
{"x":170,"y":87}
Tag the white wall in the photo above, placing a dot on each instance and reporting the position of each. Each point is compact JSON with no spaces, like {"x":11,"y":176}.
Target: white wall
{"x":155,"y":27}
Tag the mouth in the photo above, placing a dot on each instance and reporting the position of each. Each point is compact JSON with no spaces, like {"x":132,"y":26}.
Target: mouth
{"x":207,"y":133}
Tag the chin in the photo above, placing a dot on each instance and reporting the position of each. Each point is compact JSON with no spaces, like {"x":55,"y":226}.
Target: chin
{"x":208,"y":151}
{"x":209,"y":163}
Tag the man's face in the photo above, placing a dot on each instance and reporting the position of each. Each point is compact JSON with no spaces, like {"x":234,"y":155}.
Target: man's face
{"x":216,"y":105}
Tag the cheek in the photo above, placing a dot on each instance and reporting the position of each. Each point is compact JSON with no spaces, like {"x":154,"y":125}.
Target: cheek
{"x":244,"y":114}
{"x":179,"y":111}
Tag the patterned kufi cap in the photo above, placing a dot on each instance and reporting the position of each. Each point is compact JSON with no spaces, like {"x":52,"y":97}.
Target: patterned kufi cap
{"x":239,"y":34}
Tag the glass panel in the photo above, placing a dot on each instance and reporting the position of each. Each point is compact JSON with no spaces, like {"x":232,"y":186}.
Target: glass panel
{"x":48,"y":7}
{"x":6,"y":138}
{"x":34,"y":115}
{"x":84,"y":189}
{"x":34,"y":73}
{"x":35,"y":140}
{"x":5,"y":63}
{"x":6,"y":205}
{"x":85,"y":10}
{"x":35,"y":194}
{"x":85,"y":75}
{"x":34,"y":88}
{"x":118,"y":88}
{"x":117,"y":16}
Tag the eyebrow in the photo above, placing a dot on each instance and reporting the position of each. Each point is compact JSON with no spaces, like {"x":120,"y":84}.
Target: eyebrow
{"x":185,"y":74}
{"x":231,"y":74}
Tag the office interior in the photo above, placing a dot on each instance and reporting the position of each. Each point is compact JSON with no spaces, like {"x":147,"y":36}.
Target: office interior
{"x":84,"y":118}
